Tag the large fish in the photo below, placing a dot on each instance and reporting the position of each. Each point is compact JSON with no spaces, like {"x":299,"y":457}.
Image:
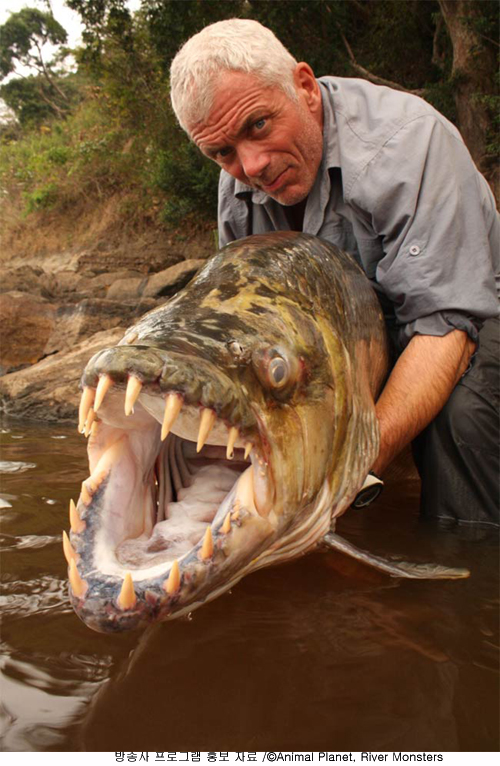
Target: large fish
{"x":228,"y":430}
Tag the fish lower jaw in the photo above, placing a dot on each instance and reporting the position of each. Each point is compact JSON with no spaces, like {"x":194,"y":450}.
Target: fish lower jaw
{"x":192,"y":528}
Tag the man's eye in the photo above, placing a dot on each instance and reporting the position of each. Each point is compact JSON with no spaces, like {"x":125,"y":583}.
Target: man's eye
{"x":225,"y":152}
{"x":260,"y":123}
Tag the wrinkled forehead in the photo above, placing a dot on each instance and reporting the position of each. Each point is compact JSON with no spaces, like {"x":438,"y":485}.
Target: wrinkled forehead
{"x":234,"y":96}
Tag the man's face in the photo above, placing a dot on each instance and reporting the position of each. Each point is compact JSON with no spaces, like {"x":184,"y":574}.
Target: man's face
{"x":264,"y":139}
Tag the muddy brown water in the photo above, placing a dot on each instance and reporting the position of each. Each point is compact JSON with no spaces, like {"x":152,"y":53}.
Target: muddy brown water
{"x":319,"y":654}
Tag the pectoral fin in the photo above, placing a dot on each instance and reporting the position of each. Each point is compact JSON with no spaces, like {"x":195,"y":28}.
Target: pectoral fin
{"x":395,"y":568}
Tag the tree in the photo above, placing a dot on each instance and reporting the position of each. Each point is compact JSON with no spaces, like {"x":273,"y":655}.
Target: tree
{"x":102,"y":20}
{"x":473,"y":29}
{"x":22,"y":96}
{"x":22,"y":39}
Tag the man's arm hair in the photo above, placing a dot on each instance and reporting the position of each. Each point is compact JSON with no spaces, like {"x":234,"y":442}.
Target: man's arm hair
{"x":418,"y":388}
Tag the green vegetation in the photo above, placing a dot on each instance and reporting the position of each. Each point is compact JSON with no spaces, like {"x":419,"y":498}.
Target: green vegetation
{"x":107,"y":129}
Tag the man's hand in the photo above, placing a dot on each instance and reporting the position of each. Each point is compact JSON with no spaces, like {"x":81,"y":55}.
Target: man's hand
{"x":417,"y":389}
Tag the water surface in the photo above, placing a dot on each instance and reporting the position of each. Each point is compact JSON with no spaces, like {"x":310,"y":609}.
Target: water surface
{"x":319,"y":654}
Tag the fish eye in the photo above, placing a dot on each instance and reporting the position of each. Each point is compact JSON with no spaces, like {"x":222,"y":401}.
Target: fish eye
{"x":278,"y":372}
{"x":277,"y":369}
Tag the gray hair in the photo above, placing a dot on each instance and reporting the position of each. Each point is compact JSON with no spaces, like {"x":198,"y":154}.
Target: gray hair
{"x":237,"y":45}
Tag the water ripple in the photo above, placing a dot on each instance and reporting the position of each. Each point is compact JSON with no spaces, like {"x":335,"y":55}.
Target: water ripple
{"x":39,"y":710}
{"x":20,"y":599}
{"x":12,"y":466}
{"x":8,"y":542}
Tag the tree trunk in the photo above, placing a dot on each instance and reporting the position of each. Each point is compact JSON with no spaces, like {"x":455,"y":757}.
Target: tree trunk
{"x":474,"y":68}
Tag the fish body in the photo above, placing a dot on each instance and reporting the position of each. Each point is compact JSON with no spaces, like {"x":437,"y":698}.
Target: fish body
{"x":228,"y":430}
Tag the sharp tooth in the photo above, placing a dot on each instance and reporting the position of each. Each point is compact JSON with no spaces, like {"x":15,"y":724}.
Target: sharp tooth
{"x":207,"y":548}
{"x":173,"y":405}
{"x":134,"y":386}
{"x":89,"y":422}
{"x":78,"y":586}
{"x":85,"y":494}
{"x":85,"y":404}
{"x":109,"y":457}
{"x":208,"y":418}
{"x":174,"y":579}
{"x":98,"y":477}
{"x":132,"y":337}
{"x":248,"y":449}
{"x":244,"y":489}
{"x":77,"y":525}
{"x":103,"y":387}
{"x":255,"y":499}
{"x":127,"y":598}
{"x":95,"y":426}
{"x":231,"y":441}
{"x":236,"y":510}
{"x":226,"y":527}
{"x":68,"y":549}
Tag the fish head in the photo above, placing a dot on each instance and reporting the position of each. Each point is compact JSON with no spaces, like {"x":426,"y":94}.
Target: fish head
{"x":221,"y":436}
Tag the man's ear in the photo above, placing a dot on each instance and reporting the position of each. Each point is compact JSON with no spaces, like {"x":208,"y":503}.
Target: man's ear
{"x":307,"y":86}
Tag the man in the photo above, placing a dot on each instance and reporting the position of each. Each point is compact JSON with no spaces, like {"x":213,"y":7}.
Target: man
{"x":383,"y":175}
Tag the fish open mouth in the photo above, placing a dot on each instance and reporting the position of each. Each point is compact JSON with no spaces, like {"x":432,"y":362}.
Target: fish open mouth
{"x":177,"y":489}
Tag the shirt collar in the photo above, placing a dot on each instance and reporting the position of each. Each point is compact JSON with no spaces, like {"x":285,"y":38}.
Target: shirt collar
{"x":331,"y":154}
{"x":331,"y":158}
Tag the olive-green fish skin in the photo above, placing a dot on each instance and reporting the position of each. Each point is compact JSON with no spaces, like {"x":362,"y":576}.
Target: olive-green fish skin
{"x":283,"y":338}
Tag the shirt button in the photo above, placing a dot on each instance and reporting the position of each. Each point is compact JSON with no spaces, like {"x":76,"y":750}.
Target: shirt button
{"x":414,"y":250}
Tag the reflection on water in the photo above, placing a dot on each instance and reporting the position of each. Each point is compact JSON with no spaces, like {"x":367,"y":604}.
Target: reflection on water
{"x":319,"y":654}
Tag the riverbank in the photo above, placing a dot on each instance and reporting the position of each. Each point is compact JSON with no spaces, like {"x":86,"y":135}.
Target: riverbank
{"x":67,"y":291}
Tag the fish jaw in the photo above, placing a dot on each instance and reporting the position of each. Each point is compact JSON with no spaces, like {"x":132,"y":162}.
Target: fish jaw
{"x":174,"y":522}
{"x":162,"y":527}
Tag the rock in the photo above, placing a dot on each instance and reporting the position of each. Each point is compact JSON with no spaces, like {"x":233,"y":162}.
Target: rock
{"x":27,"y":279}
{"x":56,"y":317}
{"x":126,"y":289}
{"x":108,"y":279}
{"x":69,"y":282}
{"x":49,"y":390}
{"x":97,"y":286}
{"x":75,"y":322}
{"x":169,"y":281}
{"x":27,"y":323}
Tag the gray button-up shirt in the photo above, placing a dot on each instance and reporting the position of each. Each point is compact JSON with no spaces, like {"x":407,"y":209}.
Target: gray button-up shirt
{"x":397,"y":189}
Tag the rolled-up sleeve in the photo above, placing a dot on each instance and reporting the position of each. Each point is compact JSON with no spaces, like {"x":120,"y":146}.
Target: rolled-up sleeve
{"x":433,"y":214}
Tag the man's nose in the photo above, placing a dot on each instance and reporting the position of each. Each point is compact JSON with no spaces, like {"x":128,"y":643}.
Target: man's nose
{"x":253,"y":159}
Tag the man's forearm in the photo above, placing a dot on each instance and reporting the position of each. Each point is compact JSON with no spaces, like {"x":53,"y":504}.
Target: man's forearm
{"x":417,"y":389}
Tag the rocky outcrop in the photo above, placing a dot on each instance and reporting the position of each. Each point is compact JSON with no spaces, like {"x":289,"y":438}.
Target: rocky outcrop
{"x":53,"y":319}
{"x":27,"y":322}
{"x":48,"y":390}
{"x":34,"y":281}
{"x":76,"y":322}
{"x":166,"y":283}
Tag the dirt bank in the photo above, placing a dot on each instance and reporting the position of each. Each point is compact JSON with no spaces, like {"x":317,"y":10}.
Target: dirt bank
{"x":69,"y":289}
